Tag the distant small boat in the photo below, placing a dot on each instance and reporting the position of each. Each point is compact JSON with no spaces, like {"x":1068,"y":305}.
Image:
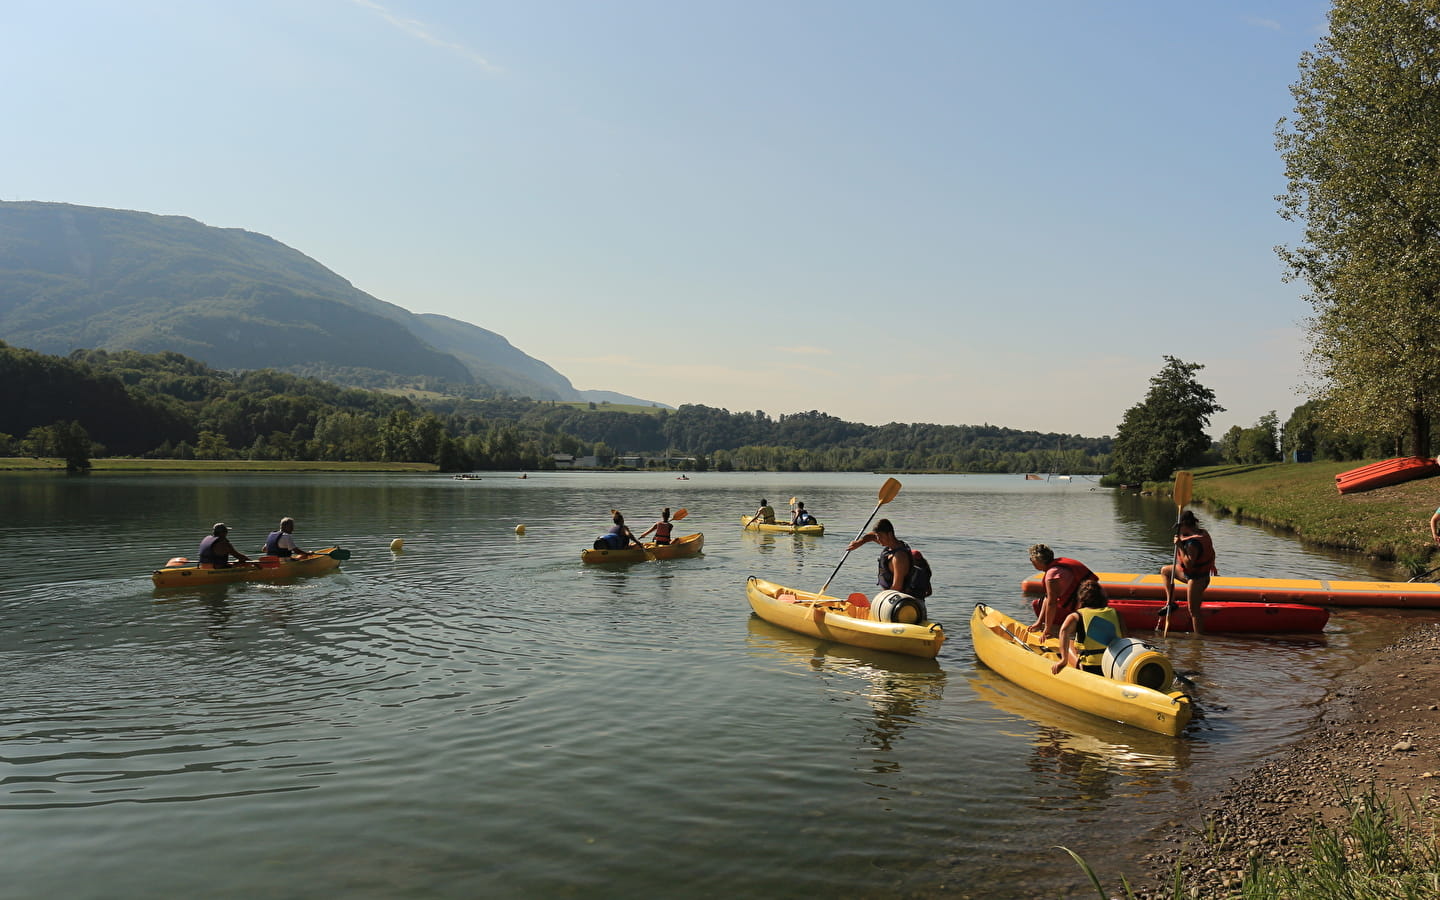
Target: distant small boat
{"x":1033,"y":478}
{"x":468,"y":476}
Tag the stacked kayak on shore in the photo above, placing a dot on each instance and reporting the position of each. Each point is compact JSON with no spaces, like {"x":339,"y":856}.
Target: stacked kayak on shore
{"x":1020,"y":655}
{"x":181,"y":572}
{"x":1321,"y":592}
{"x":782,"y":527}
{"x":689,"y":545}
{"x":834,"y":619}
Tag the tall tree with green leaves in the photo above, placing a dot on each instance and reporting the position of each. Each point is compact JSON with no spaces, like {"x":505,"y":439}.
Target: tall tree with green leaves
{"x":1362,"y":156}
{"x":1166,"y":431}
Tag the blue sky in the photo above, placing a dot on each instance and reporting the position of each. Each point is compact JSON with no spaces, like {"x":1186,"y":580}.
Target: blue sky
{"x":958,"y":212}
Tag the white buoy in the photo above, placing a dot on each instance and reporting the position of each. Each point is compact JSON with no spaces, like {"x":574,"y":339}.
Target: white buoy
{"x":519,"y":529}
{"x":398,"y":544}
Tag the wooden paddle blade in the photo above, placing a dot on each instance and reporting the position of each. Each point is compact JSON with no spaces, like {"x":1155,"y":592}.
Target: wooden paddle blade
{"x":679,"y":514}
{"x":888,"y":490}
{"x":1184,"y":489}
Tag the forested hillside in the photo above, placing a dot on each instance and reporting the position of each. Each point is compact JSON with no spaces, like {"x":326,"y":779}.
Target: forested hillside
{"x":167,"y":405}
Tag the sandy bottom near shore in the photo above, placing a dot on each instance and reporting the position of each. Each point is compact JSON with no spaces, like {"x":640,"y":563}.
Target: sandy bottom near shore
{"x":1379,"y":727}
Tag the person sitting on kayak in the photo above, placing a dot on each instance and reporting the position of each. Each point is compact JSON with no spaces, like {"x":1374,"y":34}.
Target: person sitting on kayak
{"x":617,"y":537}
{"x":800,"y":515}
{"x":216,"y":550}
{"x":1062,"y":579}
{"x":1091,"y":628}
{"x":661,"y":528}
{"x":1195,"y":553}
{"x":282,"y":542}
{"x":765,"y":514}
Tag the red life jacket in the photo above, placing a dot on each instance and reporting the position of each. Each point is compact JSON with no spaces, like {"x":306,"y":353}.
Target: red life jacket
{"x":1068,"y":602}
{"x":662,"y":532}
{"x":1205,"y":563}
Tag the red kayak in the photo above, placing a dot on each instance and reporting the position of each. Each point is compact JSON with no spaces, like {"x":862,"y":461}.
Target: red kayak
{"x":1386,"y":472}
{"x":1234,"y":618}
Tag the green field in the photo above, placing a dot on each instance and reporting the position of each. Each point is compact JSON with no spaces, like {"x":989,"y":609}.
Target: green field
{"x":1389,"y":523}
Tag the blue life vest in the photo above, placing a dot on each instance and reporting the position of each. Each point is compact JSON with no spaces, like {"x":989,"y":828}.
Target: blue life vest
{"x":272,"y":545}
{"x":208,"y":556}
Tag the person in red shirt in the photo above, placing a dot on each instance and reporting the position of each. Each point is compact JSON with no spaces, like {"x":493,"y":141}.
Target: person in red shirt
{"x":1062,"y":583}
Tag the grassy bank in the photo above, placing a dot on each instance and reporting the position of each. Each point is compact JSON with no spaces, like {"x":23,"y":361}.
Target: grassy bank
{"x":30,"y":464}
{"x":1390,"y":523}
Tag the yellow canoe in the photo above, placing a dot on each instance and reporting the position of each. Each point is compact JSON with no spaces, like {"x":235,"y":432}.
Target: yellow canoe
{"x":689,"y":545}
{"x":782,"y":527}
{"x":180,"y":573}
{"x":1018,"y":654}
{"x":824,"y":617}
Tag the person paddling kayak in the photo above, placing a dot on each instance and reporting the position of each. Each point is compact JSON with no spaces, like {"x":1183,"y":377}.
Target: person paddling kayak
{"x":282,"y":541}
{"x":216,"y":549}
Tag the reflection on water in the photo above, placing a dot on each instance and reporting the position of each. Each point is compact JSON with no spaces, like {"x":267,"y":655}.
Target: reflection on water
{"x":900,"y":690}
{"x":484,"y":715}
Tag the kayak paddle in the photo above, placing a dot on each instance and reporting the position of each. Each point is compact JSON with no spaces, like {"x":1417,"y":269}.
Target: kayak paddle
{"x":888,"y":490}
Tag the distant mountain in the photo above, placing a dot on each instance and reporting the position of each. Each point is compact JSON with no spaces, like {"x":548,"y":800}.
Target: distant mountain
{"x":76,"y":277}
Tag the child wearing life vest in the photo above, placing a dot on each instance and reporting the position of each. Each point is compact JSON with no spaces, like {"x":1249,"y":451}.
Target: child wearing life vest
{"x":1086,"y":633}
{"x":661,"y":528}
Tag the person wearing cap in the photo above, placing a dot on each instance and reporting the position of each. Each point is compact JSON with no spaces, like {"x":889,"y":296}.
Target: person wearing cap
{"x":216,"y":549}
{"x":282,"y":542}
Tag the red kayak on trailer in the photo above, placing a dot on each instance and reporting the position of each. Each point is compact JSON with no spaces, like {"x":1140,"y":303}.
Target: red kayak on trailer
{"x":1232,"y":618}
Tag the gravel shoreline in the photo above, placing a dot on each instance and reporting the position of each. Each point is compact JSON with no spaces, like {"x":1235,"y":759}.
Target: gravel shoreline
{"x":1379,"y":727}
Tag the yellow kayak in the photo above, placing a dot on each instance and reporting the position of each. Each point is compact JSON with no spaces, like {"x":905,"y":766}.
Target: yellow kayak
{"x":826,"y":617}
{"x":681,"y":547}
{"x":1019,"y":655}
{"x":180,"y":572}
{"x":782,"y":527}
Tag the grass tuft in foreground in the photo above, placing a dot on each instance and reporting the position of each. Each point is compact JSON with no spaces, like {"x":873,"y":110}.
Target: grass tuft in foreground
{"x":1378,"y":852}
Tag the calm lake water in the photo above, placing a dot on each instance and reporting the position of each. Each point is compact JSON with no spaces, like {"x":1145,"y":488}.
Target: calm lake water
{"x":481,"y":715}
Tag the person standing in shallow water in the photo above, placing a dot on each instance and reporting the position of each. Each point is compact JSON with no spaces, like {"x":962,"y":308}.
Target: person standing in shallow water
{"x":1196,"y":555}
